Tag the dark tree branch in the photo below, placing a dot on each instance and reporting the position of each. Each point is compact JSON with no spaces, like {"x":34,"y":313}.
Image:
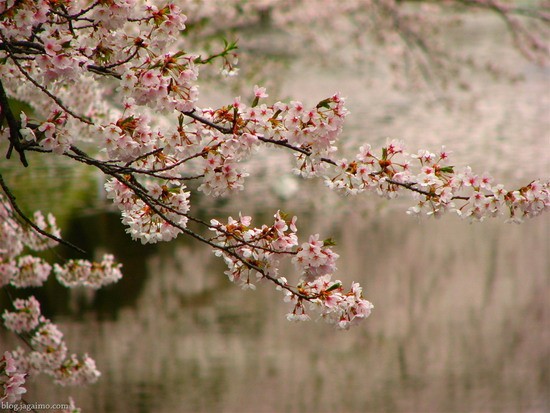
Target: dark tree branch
{"x":155,"y":206}
{"x":24,"y":217}
{"x":307,"y":153}
{"x":192,"y":114}
{"x":13,"y":125}
{"x":39,"y":86}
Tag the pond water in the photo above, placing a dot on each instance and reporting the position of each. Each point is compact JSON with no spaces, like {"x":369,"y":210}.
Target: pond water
{"x":461,"y":311}
{"x":460,"y":324}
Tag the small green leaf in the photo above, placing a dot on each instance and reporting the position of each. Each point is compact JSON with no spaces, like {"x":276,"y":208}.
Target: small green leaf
{"x":447,"y":169}
{"x":333,"y":287}
{"x":283,"y":215}
{"x":323,"y":104}
{"x":179,"y":54}
{"x":329,"y":242}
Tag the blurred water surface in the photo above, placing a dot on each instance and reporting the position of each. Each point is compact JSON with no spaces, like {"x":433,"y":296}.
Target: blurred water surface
{"x":461,"y":311}
{"x":460,"y":325}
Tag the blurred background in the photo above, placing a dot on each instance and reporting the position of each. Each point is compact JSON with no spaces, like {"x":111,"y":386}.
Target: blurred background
{"x":461,"y":318}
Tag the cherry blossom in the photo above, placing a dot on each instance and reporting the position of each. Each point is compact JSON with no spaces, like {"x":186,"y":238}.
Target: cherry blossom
{"x":113,"y":85}
{"x":26,"y":317}
{"x":72,"y":407}
{"x":11,"y":382}
{"x":31,"y":272}
{"x":85,"y":273}
{"x":49,"y":352}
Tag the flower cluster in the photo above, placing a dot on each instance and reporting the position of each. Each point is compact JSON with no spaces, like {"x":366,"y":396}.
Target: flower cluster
{"x":71,"y":41}
{"x":343,"y":309}
{"x":49,"y":353}
{"x":166,"y":83}
{"x":159,"y":214}
{"x":22,"y":271}
{"x":129,"y":137}
{"x":215,"y":144}
{"x":30,"y":271}
{"x":315,"y":259}
{"x":435,"y":185}
{"x":257,"y":251}
{"x":11,"y":382}
{"x":221,"y":171}
{"x":15,"y":236}
{"x":84,"y":273}
{"x":311,"y":132}
{"x":253,"y":251}
{"x":25,"y":318}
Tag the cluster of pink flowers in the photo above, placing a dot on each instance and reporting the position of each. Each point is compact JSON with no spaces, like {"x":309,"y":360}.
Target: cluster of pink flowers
{"x":222,"y":173}
{"x":240,"y":129}
{"x":11,"y":382}
{"x":25,"y":318}
{"x":51,"y":134}
{"x":30,"y":271}
{"x":315,"y":259}
{"x":435,"y":185}
{"x":129,"y":137}
{"x":49,"y":352}
{"x":214,"y":153}
{"x":14,"y":236}
{"x":253,"y":251}
{"x":327,"y":297}
{"x":22,"y":271}
{"x":257,"y":251}
{"x":114,"y":73}
{"x":70,"y":41}
{"x":87,"y":274}
{"x":151,"y":224}
{"x":311,"y":132}
{"x":165,"y":84}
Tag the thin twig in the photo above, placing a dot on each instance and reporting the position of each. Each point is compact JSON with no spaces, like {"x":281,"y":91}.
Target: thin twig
{"x":16,"y":208}
{"x":306,"y":152}
{"x":42,"y":88}
{"x":155,"y":206}
{"x":192,"y":114}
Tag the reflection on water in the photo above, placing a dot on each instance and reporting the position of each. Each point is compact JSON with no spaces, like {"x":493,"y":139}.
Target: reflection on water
{"x":460,"y":324}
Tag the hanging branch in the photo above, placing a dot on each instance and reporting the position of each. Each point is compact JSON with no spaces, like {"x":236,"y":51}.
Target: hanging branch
{"x":35,"y":227}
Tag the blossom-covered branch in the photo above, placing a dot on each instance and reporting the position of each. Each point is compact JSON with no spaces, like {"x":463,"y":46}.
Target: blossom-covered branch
{"x":112,"y":85}
{"x":46,"y":350}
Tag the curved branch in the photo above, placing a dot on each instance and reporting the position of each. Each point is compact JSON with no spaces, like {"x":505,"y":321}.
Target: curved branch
{"x":42,"y":88}
{"x":155,"y":206}
{"x":16,"y":208}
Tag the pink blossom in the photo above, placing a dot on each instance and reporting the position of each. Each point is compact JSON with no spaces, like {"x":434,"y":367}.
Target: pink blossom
{"x":11,"y":382}
{"x":259,"y":92}
{"x":31,"y":272}
{"x":25,"y":318}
